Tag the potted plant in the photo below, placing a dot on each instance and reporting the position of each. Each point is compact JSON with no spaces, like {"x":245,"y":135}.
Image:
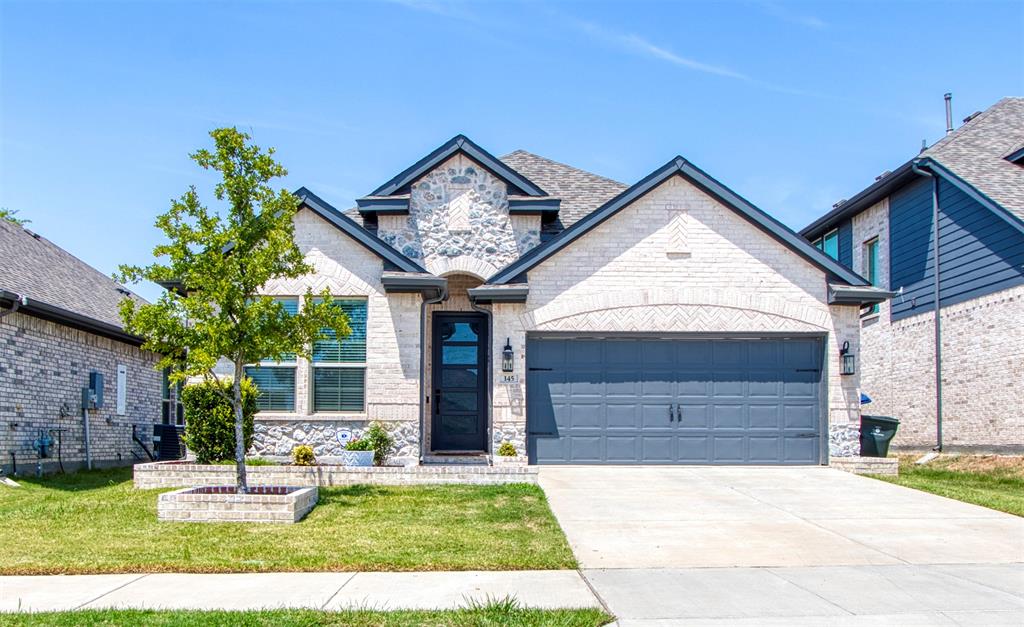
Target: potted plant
{"x":358,"y":452}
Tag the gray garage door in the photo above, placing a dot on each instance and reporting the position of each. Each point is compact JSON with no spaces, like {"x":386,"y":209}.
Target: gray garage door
{"x":673,"y":401}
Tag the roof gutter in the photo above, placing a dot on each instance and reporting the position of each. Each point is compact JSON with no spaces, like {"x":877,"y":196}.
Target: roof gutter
{"x":937,"y":298}
{"x":68,"y":318}
{"x":857,"y":295}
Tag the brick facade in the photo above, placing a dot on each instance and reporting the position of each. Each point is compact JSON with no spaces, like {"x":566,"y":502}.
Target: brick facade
{"x":43,"y":368}
{"x":982,"y":368}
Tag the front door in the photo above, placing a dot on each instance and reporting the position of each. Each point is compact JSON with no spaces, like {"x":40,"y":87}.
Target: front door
{"x":459,"y":377}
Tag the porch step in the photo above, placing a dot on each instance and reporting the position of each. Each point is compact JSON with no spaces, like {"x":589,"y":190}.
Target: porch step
{"x":441,"y":459}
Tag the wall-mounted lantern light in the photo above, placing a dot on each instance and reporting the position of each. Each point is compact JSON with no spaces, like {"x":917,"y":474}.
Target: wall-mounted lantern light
{"x":848,"y":362}
{"x":507,"y":357}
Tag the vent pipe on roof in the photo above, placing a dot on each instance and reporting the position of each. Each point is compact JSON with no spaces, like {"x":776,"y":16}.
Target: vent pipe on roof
{"x":949,"y":113}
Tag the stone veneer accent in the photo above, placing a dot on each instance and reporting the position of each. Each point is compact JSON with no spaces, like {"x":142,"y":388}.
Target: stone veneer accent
{"x":280,"y":437}
{"x":43,"y":368}
{"x":982,"y":344}
{"x":888,"y":466}
{"x":262,"y":505}
{"x":458,"y":221}
{"x":178,"y":474}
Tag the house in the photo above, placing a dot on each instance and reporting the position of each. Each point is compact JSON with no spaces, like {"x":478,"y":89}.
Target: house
{"x":973,"y":181}
{"x":62,"y":347}
{"x":581,"y":320}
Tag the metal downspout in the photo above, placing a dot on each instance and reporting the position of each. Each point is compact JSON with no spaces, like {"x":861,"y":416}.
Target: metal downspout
{"x":490,"y":382}
{"x":936,"y":285}
{"x":441,"y":296}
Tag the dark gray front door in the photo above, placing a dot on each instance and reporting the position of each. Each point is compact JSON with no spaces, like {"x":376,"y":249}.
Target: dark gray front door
{"x":674,"y":401}
{"x":459,"y":374}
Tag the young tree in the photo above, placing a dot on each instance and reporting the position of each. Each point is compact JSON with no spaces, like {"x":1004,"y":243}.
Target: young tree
{"x":11,"y":215}
{"x":219,"y":260}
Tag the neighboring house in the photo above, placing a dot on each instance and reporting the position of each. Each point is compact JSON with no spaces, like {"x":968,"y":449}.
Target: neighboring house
{"x":886,"y":233}
{"x":59,"y":324}
{"x":584,"y":321}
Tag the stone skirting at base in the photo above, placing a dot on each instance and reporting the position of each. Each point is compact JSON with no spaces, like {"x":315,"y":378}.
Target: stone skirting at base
{"x":178,"y":474}
{"x":263,"y":504}
{"x":867,"y":465}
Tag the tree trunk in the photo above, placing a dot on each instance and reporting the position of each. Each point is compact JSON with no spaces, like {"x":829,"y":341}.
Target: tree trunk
{"x":241,"y":485}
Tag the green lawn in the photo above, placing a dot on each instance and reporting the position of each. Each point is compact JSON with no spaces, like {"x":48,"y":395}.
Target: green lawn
{"x":96,"y":522}
{"x":987,"y":480}
{"x":481,"y":616}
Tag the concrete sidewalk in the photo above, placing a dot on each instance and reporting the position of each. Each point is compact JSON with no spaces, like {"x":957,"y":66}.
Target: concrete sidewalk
{"x":332,"y":591}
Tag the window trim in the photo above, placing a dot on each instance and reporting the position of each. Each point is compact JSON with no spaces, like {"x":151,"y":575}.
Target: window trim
{"x":172,"y":400}
{"x":313,"y":365}
{"x":870,"y":263}
{"x":823,"y":240}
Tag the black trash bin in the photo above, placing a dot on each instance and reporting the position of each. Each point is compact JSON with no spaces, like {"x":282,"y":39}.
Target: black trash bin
{"x":876,"y":432}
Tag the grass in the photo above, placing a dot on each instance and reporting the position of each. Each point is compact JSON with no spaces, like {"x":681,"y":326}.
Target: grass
{"x":96,"y":522}
{"x":499,"y":614}
{"x":992,"y":481}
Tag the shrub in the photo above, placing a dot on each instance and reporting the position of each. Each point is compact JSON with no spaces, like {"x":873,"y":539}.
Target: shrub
{"x":507,"y":449}
{"x":303,"y":455}
{"x":210,"y":427}
{"x":375,"y":439}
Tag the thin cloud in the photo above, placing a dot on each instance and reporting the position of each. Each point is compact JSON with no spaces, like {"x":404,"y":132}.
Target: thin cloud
{"x":784,"y":13}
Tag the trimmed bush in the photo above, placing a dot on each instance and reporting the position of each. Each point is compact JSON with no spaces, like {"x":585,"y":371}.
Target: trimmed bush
{"x":507,"y":449}
{"x":375,"y":439}
{"x":360,"y":444}
{"x":210,"y":422}
{"x":303,"y":455}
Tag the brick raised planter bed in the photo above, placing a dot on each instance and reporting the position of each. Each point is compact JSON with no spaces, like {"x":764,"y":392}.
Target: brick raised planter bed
{"x":867,"y":465}
{"x":182,"y":474}
{"x":266,"y":504}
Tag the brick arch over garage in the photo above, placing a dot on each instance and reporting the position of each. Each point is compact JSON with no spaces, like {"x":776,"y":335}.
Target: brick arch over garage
{"x":677,"y":310}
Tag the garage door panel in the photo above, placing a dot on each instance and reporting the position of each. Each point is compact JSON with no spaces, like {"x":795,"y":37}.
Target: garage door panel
{"x":661,"y":401}
{"x":620,"y":417}
{"x":728,"y":449}
{"x":658,"y":449}
{"x":693,"y":416}
{"x":764,"y":450}
{"x":728,"y":416}
{"x":764,"y":417}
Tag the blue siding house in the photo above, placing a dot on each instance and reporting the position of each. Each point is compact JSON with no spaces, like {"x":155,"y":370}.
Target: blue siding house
{"x":955,"y":378}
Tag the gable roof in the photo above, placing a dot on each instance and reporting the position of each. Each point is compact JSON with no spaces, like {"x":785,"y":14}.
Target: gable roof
{"x":348,"y":226}
{"x":680,"y":167}
{"x":58,"y":285}
{"x":973,"y":157}
{"x":457,"y":144}
{"x":581,"y":191}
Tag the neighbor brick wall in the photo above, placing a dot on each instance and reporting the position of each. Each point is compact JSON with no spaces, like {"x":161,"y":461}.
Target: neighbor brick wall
{"x":43,"y":368}
{"x":982,"y":363}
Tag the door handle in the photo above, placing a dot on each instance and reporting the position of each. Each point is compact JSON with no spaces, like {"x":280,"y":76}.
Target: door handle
{"x":671,"y":413}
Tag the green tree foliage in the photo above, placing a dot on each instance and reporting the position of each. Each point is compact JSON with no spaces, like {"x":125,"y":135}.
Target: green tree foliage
{"x":11,"y":215}
{"x":220,"y":260}
{"x":210,"y":430}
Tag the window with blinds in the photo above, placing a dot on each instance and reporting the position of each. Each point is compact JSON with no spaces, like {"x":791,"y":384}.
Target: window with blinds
{"x":276,"y":379}
{"x":339,"y":366}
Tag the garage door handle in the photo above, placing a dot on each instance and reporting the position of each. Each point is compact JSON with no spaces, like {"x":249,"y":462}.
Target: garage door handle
{"x":807,"y":435}
{"x":542,"y":433}
{"x":671,"y":413}
{"x":540,"y":369}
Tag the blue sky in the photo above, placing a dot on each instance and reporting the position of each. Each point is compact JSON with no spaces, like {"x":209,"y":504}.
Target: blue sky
{"x":793,"y":105}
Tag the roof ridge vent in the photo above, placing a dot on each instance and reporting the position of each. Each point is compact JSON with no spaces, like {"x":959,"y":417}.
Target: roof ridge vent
{"x":882,"y":175}
{"x":972,"y":116}
{"x":33,"y":233}
{"x":839,"y":203}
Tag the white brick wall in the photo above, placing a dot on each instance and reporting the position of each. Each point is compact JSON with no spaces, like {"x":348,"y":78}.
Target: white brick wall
{"x":633,"y":273}
{"x":983,"y":368}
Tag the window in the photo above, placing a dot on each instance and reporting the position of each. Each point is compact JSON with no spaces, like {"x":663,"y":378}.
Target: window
{"x":339,"y":367}
{"x":172,"y":411}
{"x":871,"y":268}
{"x":829,"y":244}
{"x":276,"y":379}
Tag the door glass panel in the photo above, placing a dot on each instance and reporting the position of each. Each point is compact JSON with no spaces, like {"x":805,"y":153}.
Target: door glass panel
{"x":459,"y":355}
{"x":459,"y":401}
{"x":458,"y":377}
{"x":454,"y":425}
{"x":461,"y":332}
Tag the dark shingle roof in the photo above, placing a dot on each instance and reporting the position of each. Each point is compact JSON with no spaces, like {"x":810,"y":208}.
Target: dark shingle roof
{"x":976,"y":153}
{"x":35,"y":267}
{"x":581,"y":191}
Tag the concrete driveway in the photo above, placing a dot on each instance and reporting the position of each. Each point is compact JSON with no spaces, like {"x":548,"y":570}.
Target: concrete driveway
{"x":805,"y":545}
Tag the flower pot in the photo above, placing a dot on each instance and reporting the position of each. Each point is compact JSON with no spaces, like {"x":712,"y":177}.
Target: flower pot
{"x":356,"y":458}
